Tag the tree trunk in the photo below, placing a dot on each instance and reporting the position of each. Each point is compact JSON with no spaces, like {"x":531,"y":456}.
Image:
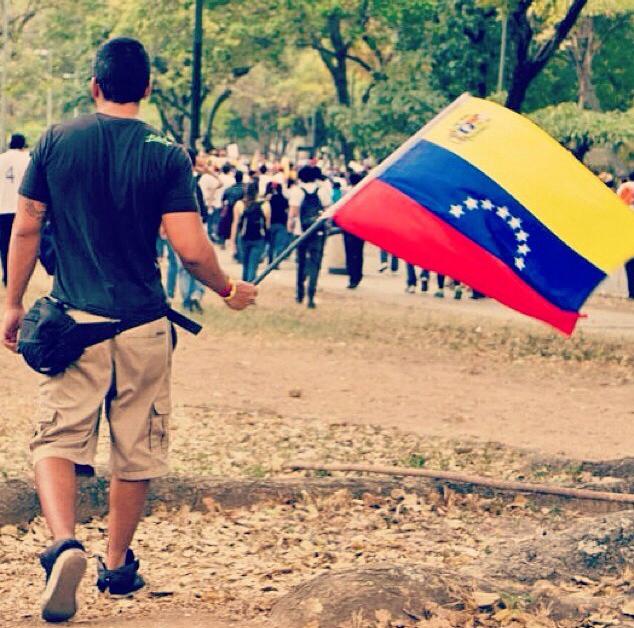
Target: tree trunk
{"x":583,"y":47}
{"x":517,"y":91}
{"x":208,"y":142}
{"x":528,"y":66}
{"x":521,"y":77}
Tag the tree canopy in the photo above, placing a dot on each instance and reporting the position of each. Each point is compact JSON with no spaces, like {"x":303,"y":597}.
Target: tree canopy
{"x":358,"y":75}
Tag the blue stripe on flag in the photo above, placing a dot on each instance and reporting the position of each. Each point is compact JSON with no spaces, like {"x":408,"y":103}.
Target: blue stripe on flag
{"x":467,"y":199}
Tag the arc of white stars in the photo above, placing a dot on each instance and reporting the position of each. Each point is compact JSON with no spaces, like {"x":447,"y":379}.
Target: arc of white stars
{"x":521,"y":236}
{"x":456,"y":210}
{"x":515,"y":223}
{"x":504,"y":213}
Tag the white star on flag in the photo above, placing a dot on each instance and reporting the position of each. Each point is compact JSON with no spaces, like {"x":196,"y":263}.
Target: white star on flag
{"x":521,"y":236}
{"x":471,"y":203}
{"x":515,"y":223}
{"x":524,"y":249}
{"x":503,"y":212}
{"x":456,"y":210}
{"x":520,"y":263}
{"x":487,"y":204}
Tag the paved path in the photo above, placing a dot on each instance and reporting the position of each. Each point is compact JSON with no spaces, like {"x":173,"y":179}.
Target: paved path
{"x":615,"y":320}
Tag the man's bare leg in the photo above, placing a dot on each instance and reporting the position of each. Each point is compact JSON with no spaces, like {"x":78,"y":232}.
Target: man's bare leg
{"x":127,"y":503}
{"x":57,"y":487}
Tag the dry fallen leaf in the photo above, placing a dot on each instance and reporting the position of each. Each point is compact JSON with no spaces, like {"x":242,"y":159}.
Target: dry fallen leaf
{"x":314,"y":606}
{"x":383,"y":616}
{"x":483,"y":599}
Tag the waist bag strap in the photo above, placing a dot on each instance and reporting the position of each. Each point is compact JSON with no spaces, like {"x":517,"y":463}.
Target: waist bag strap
{"x":89,"y":334}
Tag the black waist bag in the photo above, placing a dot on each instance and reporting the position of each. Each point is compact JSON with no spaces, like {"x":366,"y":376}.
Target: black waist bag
{"x":50,"y":340}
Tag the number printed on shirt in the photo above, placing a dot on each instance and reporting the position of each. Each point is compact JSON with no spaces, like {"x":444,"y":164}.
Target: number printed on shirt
{"x":8,"y":175}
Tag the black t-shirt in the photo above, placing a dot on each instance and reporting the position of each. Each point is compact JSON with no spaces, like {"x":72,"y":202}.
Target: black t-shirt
{"x":107,"y":182}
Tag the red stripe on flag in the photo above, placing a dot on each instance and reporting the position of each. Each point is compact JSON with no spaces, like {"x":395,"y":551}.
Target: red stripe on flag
{"x":392,"y":220}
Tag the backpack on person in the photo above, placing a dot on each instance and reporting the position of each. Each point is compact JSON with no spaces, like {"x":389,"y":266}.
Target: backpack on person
{"x":252,"y":225}
{"x":230,"y":197}
{"x":311,"y":209}
{"x":279,"y":209}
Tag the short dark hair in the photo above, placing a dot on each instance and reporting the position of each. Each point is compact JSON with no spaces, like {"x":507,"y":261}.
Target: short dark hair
{"x":122,"y":70}
{"x":226,"y":168}
{"x":307,"y":174}
{"x":263,"y":169}
{"x":356,"y":177}
{"x":18,"y":141}
{"x":239,"y":176}
{"x":251,"y":193}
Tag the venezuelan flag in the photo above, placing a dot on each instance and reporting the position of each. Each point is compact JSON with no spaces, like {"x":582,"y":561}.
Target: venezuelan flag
{"x":485,"y":196}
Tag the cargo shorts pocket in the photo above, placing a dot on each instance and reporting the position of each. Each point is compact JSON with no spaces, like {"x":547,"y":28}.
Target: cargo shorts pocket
{"x":46,"y":421}
{"x":159,"y":426}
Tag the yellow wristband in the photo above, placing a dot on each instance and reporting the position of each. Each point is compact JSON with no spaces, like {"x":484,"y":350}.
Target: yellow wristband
{"x":232,"y":294}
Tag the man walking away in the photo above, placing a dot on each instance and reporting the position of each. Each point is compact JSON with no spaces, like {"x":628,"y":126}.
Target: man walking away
{"x":278,"y":238}
{"x":107,"y":180}
{"x":307,"y":202}
{"x":354,"y":247}
{"x":251,"y":220}
{"x":230,"y":197}
{"x":13,"y":164}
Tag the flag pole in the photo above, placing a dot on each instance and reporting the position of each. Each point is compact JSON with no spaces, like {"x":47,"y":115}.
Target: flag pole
{"x":289,"y":249}
{"x":374,"y":173}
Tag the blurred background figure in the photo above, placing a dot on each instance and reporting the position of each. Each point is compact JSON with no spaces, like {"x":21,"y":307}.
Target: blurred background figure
{"x":13,"y":164}
{"x":278,"y":235}
{"x":307,"y":202}
{"x":251,"y":225}
{"x":354,"y":246}
{"x":626,"y":194}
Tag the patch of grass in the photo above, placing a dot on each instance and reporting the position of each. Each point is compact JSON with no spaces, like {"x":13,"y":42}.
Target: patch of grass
{"x":322,"y":473}
{"x":417,"y":461}
{"x":375,"y":322}
{"x":256,"y":471}
{"x":515,"y":602}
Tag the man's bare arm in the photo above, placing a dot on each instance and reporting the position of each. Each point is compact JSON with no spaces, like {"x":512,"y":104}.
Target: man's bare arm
{"x":293,"y":213}
{"x":23,"y":250}
{"x":190,"y":242}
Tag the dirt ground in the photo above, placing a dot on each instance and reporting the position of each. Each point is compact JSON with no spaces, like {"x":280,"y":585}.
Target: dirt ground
{"x":374,"y":376}
{"x":379,"y":357}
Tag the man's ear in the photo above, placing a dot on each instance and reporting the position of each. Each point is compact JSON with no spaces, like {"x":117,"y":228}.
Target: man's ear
{"x":95,"y":90}
{"x":148,"y":90}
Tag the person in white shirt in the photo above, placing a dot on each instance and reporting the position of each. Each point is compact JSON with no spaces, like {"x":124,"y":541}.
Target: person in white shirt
{"x":209,"y":184}
{"x":264,"y":178}
{"x":307,"y":202}
{"x":227,"y":179}
{"x":13,"y":164}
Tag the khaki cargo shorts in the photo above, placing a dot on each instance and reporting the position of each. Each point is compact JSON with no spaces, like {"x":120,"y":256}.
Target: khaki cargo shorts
{"x":127,"y":380}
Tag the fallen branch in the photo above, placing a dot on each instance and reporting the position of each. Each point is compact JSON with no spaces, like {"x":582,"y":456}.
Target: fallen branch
{"x":461,"y":478}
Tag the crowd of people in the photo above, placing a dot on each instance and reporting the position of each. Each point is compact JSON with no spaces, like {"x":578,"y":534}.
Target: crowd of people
{"x":256,"y":208}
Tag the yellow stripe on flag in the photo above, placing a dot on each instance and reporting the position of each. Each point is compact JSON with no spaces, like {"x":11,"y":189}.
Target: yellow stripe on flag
{"x":542,"y":175}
